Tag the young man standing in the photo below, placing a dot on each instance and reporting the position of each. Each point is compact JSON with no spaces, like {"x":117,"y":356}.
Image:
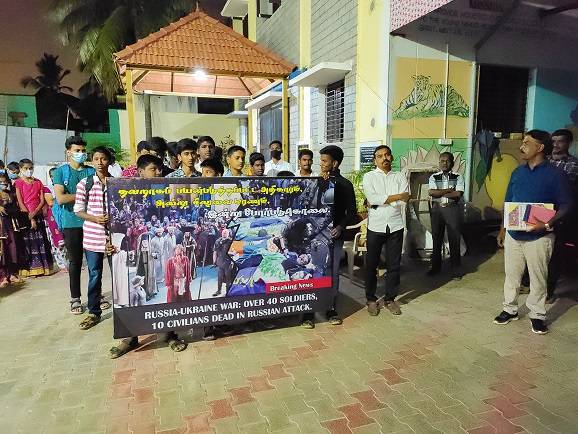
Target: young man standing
{"x":534,"y":182}
{"x":90,"y":205}
{"x":276,"y":163}
{"x":446,"y":189}
{"x":235,"y":161}
{"x":257,"y":163}
{"x":205,"y":150}
{"x":386,"y":191}
{"x":305,"y":158}
{"x":187,"y":155}
{"x":142,"y":148}
{"x":344,"y":214}
{"x":66,"y":178}
{"x":561,"y":158}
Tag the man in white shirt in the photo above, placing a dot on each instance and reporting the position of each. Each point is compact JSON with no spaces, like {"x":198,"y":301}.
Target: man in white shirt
{"x":446,"y":189}
{"x":276,"y":150}
{"x":386,"y":191}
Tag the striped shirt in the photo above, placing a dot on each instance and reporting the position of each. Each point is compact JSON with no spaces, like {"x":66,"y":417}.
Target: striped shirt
{"x":94,"y":235}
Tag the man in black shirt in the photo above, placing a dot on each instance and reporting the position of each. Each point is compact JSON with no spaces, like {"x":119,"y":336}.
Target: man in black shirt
{"x":344,"y":214}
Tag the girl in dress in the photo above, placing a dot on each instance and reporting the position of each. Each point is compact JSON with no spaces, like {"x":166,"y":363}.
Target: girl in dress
{"x":54,"y":235}
{"x":11,"y":260}
{"x":30,"y":196}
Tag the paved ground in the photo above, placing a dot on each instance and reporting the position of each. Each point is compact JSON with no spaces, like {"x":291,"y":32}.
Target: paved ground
{"x":440,"y":367}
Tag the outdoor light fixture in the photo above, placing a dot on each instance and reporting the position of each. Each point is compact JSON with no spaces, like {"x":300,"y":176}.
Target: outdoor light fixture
{"x":200,"y":74}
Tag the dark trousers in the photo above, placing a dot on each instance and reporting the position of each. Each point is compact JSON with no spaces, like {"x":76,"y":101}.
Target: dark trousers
{"x":441,"y":218}
{"x":74,"y":251}
{"x":95,"y":262}
{"x":559,"y":260}
{"x":393,"y":242}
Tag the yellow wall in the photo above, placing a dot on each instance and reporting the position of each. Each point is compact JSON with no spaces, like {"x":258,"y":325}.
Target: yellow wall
{"x":175,"y":126}
{"x":372,"y":72}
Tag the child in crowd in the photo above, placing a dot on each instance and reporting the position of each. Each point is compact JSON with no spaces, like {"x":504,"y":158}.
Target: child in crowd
{"x":257,"y":162}
{"x":30,"y":196}
{"x":13,"y":170}
{"x":11,"y":260}
{"x":212,"y":167}
{"x":54,"y":235}
{"x":148,"y":166}
{"x":235,"y":161}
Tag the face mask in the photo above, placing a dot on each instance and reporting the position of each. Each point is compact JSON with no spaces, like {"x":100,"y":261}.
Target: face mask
{"x":27,"y":173}
{"x":79,"y":157}
{"x":276,"y":154}
{"x":13,"y":175}
{"x":2,"y":171}
{"x":3,"y":187}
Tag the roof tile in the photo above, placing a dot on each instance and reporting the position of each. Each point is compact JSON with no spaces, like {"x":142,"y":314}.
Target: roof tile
{"x":199,"y":41}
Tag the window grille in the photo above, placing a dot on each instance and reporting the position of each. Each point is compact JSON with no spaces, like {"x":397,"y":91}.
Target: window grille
{"x":334,"y":112}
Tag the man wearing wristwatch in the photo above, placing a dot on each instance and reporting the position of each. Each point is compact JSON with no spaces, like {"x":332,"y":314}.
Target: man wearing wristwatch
{"x":533,"y":182}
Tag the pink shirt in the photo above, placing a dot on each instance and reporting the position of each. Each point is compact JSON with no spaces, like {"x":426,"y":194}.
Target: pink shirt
{"x":30,"y":193}
{"x":94,"y":235}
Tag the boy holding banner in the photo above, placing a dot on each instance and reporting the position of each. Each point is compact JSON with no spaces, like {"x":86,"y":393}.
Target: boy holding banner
{"x":148,"y":166}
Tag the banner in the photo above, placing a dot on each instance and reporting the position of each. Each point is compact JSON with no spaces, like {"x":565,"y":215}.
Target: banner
{"x":197,"y":252}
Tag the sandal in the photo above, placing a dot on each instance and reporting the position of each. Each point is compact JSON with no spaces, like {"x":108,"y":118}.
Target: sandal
{"x":124,"y":347}
{"x":333,"y":318}
{"x":308,"y":324}
{"x":177,"y":345}
{"x":104,"y":304}
{"x":76,"y":307}
{"x":15,"y":279}
{"x":90,"y":321}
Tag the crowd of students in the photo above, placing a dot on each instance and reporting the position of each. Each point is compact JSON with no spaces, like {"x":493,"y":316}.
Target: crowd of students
{"x":33,"y":239}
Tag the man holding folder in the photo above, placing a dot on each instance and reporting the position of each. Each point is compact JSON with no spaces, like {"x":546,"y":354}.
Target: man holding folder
{"x":533,"y":182}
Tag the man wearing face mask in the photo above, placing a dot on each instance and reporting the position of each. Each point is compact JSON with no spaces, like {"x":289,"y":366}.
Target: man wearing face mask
{"x":13,"y":170}
{"x":276,"y":163}
{"x":66,"y":177}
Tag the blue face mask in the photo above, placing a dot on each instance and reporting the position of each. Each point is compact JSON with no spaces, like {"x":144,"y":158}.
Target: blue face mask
{"x":79,"y":157}
{"x":13,"y":175}
{"x":2,"y":171}
{"x":3,"y":187}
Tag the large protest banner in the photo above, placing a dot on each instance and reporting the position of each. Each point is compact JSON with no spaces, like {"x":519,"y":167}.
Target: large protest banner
{"x":206,"y":251}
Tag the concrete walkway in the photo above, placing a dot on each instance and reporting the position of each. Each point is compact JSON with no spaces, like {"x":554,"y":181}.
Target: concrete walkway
{"x":441,"y":367}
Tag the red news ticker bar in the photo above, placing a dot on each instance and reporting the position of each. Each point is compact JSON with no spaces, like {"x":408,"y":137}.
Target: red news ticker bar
{"x":298,"y":285}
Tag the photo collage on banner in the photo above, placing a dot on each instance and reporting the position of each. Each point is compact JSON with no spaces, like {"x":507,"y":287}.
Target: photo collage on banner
{"x":207,"y":251}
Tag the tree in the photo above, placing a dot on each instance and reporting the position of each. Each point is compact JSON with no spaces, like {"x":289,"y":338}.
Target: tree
{"x":99,"y":28}
{"x":50,"y":77}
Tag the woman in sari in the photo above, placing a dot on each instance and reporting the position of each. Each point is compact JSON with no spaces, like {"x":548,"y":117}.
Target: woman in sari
{"x":30,"y":196}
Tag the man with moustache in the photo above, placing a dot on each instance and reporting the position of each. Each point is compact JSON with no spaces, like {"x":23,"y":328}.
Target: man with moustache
{"x":386,"y":191}
{"x":537,"y":181}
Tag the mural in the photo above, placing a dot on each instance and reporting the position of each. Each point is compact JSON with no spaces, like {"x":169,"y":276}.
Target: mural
{"x":419,"y":96}
{"x":422,"y":157}
{"x":428,"y":100}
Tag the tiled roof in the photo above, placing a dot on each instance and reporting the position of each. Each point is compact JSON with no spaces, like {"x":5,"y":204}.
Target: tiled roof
{"x":199,"y":41}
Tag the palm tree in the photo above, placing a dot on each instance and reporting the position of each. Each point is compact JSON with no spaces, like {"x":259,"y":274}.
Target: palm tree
{"x":50,"y":77}
{"x":99,"y":28}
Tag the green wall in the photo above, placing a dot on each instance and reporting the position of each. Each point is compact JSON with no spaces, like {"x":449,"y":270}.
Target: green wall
{"x":111,"y":138}
{"x":23,"y":103}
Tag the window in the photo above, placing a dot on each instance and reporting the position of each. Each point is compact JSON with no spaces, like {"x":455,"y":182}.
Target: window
{"x":334,"y":110}
{"x":215,"y":106}
{"x":270,"y":124}
{"x":502,"y":99}
{"x":266,"y":8}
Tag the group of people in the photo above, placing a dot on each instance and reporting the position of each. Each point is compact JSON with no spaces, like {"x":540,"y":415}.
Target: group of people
{"x":31,"y":244}
{"x":80,"y":190}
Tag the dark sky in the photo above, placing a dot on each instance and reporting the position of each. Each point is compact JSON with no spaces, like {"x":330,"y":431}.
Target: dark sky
{"x":25,"y":34}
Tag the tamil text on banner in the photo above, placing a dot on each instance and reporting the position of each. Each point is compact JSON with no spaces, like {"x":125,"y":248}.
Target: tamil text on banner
{"x":206,"y":251}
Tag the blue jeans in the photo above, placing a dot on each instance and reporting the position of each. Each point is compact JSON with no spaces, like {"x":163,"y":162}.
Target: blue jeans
{"x":95,"y":261}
